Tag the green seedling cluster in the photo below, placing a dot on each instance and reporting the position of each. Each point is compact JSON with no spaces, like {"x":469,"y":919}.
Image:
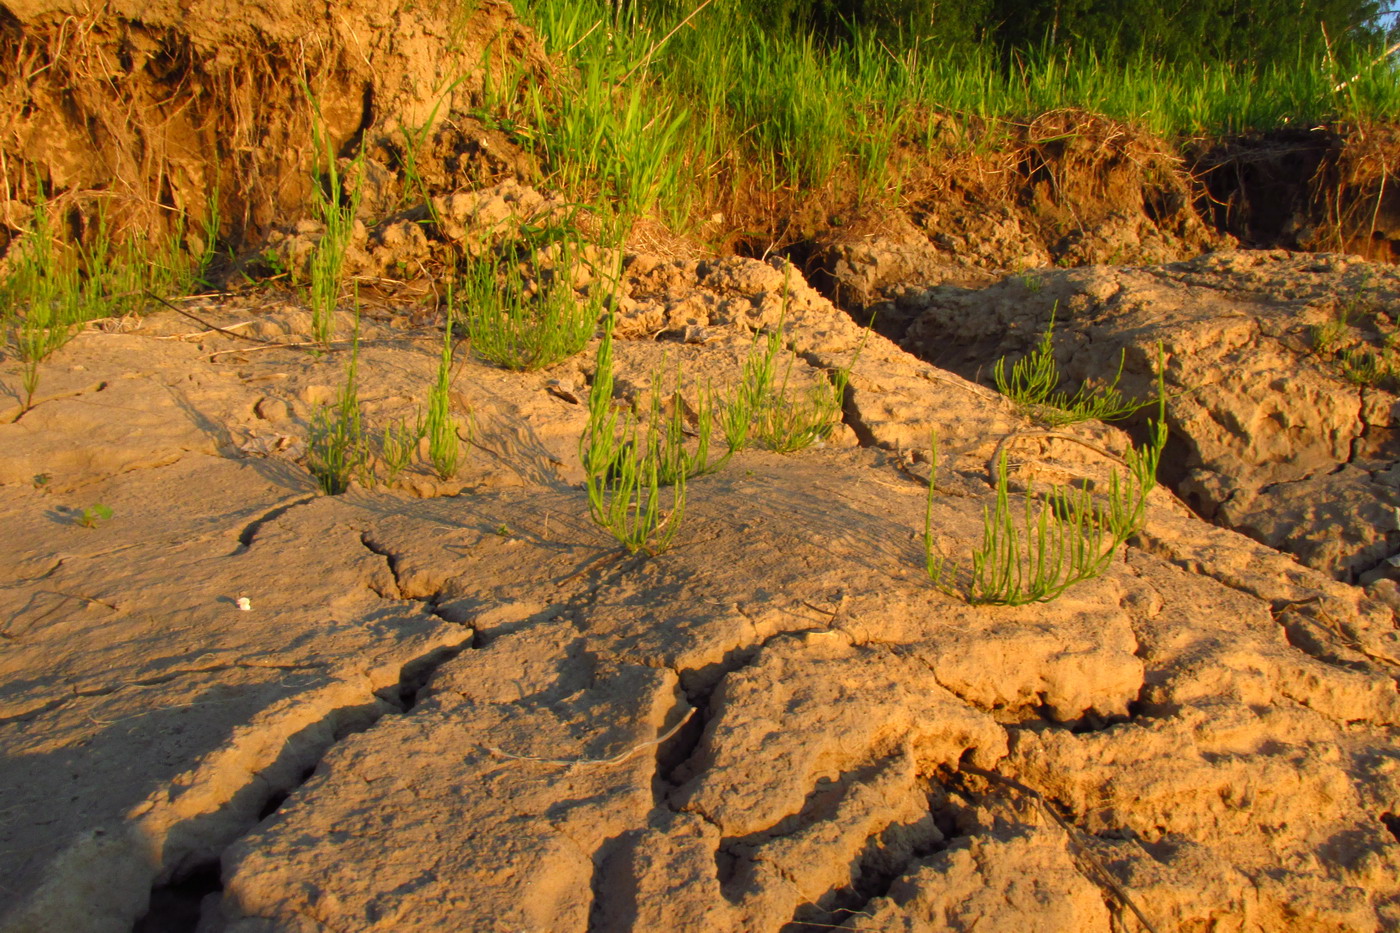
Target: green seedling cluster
{"x":398,"y":444}
{"x":1034,"y":385}
{"x":441,"y":426}
{"x":1055,"y":539}
{"x":621,"y":458}
{"x":764,"y":406}
{"x":1372,"y":362}
{"x":516,"y":324}
{"x":629,"y":460}
{"x":678,"y":457}
{"x":785,"y":420}
{"x":337,"y":450}
{"x":51,"y":288}
{"x":340,"y":449}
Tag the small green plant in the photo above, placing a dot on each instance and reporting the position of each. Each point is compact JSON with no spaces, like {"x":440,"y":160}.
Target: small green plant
{"x":272,"y":262}
{"x":440,"y":427}
{"x":1331,"y":334}
{"x":1057,"y":538}
{"x":622,"y":471}
{"x":337,"y":211}
{"x":677,"y":458}
{"x":736,"y":415}
{"x":1359,"y":343}
{"x":398,"y":444}
{"x":503,"y":530}
{"x":93,"y":515}
{"x":764,"y":406}
{"x":336,"y":450}
{"x":788,"y":422}
{"x":1058,"y":542}
{"x":1034,"y":386}
{"x":1366,"y":367}
{"x":514,"y":329}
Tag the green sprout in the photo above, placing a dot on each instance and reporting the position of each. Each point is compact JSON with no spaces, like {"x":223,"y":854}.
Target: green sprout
{"x":1034,"y":386}
{"x":92,"y":515}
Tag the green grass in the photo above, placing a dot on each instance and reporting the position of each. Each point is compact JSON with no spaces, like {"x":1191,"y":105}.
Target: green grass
{"x":683,"y":452}
{"x":1361,"y":345}
{"x":441,"y":427}
{"x":336,"y":210}
{"x":336,"y":450}
{"x":526,"y":325}
{"x":93,"y":515}
{"x":398,"y":443}
{"x":647,"y":120}
{"x":766,"y":407}
{"x":53,"y":287}
{"x":622,"y":466}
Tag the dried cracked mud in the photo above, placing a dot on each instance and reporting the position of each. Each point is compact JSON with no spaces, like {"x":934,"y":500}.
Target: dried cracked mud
{"x":458,"y":707}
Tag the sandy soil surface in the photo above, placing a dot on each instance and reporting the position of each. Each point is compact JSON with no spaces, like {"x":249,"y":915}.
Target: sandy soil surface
{"x":457,"y":705}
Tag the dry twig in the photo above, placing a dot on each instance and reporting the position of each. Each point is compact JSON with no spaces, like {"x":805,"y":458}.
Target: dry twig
{"x":1072,"y":832}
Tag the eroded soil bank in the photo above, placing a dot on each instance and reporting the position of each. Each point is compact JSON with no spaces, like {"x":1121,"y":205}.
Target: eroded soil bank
{"x":165,"y":118}
{"x":459,"y":707}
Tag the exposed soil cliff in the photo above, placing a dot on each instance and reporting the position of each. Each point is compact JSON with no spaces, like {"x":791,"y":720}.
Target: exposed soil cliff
{"x":154,"y":111}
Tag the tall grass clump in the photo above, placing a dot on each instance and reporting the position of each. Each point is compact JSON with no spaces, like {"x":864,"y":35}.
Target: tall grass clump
{"x":601,"y":128}
{"x":441,"y":427}
{"x":336,"y":450}
{"x":677,"y":108}
{"x":42,"y":300}
{"x":622,"y":467}
{"x":1053,"y":540}
{"x":522,"y":325}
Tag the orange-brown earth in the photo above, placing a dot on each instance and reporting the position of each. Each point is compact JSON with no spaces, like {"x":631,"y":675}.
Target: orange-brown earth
{"x":456,"y":705}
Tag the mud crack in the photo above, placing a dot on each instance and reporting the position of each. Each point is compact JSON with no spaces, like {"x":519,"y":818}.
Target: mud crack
{"x":193,"y":843}
{"x":850,"y":411}
{"x":249,"y":534}
{"x":392,"y":561}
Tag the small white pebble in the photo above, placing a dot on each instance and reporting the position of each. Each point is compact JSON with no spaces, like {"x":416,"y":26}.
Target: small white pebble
{"x":245,"y":604}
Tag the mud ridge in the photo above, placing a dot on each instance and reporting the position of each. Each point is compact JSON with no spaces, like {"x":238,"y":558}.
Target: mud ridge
{"x":1116,"y":897}
{"x":176,"y":886}
{"x":249,"y":534}
{"x":877,"y":869}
